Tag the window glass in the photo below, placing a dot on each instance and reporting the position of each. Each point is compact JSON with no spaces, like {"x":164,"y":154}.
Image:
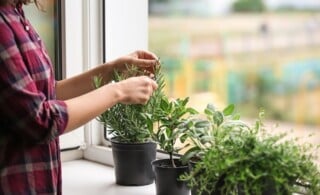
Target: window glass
{"x":131,"y":35}
{"x":255,"y":54}
{"x":48,"y":25}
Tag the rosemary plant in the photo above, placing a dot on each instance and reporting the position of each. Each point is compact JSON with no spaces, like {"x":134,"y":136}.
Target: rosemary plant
{"x":127,"y":123}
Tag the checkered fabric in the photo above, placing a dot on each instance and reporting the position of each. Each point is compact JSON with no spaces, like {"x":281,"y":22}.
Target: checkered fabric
{"x":31,"y":119}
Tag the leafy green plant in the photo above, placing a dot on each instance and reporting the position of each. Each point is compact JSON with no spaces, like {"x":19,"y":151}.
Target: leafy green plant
{"x":200,"y":131}
{"x":170,"y":115}
{"x":245,"y":159}
{"x":127,"y":123}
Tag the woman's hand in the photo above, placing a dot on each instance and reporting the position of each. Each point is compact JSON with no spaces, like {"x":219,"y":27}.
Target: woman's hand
{"x":144,"y":59}
{"x":136,"y":90}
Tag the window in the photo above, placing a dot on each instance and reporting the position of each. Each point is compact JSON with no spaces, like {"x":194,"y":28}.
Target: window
{"x":257,"y":59}
{"x":110,"y":29}
{"x":81,"y":36}
{"x":49,"y":26}
{"x":214,"y":54}
{"x":64,"y":42}
{"x":208,"y":52}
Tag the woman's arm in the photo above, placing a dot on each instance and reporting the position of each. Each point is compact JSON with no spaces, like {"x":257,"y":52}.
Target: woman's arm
{"x":84,"y":103}
{"x":135,"y":90}
{"x":83,"y":83}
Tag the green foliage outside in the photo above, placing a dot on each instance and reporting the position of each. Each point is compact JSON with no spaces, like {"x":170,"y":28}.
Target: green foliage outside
{"x":248,"y":6}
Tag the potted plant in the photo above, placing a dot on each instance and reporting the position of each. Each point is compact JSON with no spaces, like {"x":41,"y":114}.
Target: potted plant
{"x":200,"y":132}
{"x":170,"y":116}
{"x":244,"y":159}
{"x":132,"y":145}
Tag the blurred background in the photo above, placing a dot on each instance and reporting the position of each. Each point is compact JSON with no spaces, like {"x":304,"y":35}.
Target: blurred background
{"x":253,"y":53}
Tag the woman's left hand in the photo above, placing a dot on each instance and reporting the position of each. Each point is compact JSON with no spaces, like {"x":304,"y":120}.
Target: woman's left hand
{"x":144,"y":59}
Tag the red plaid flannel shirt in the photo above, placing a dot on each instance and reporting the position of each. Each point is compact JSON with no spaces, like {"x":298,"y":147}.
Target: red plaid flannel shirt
{"x":31,"y":119}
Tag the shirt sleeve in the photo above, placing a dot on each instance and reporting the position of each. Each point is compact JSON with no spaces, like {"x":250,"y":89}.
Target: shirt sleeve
{"x":27,"y":114}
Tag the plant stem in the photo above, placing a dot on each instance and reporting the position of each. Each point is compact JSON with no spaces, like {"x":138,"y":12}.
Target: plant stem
{"x":172,"y":160}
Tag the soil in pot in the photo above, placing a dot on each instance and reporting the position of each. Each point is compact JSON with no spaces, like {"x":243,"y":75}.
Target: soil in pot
{"x":167,"y":177}
{"x":132,"y":163}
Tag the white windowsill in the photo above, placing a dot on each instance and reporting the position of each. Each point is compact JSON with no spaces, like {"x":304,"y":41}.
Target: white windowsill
{"x":90,"y":172}
{"x":84,"y":177}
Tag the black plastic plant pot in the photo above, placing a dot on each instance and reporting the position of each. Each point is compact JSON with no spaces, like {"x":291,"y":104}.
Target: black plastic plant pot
{"x":132,"y":163}
{"x":167,"y":177}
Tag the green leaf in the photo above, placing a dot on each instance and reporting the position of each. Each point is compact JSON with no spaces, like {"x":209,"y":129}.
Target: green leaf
{"x":236,"y":117}
{"x":202,"y":124}
{"x":164,"y":105}
{"x":183,"y":138}
{"x":192,"y":111}
{"x":97,"y":81}
{"x":190,"y":153}
{"x":211,"y":107}
{"x":184,"y":101}
{"x":218,"y":118}
{"x":205,"y":139}
{"x":228,"y":110}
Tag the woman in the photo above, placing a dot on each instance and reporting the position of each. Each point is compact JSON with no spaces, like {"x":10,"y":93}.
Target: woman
{"x":36,"y":109}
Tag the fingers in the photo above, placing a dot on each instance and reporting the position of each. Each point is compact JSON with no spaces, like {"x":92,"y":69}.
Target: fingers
{"x":152,"y":86}
{"x":143,"y":59}
{"x":144,"y":63}
{"x":148,"y":65}
{"x":138,"y":90}
{"x":146,"y":55}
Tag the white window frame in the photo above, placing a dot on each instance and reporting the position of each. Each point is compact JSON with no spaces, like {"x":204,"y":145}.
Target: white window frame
{"x":101,"y":30}
{"x":125,"y":30}
{"x":83,"y":49}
